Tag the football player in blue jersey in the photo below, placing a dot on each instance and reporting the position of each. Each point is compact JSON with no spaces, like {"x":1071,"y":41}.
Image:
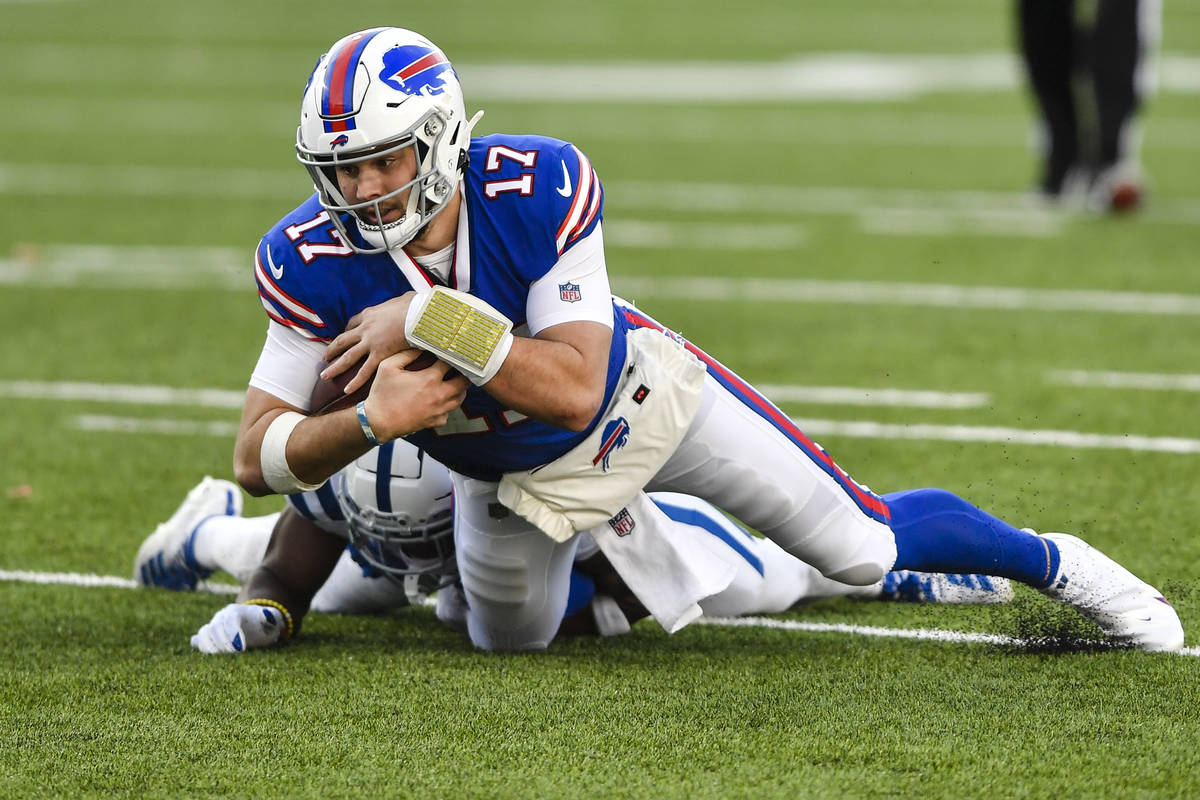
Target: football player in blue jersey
{"x":555,"y":405}
{"x":393,"y":505}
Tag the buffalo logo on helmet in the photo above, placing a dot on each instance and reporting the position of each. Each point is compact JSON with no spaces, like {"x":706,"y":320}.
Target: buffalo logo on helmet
{"x":415,"y":69}
{"x":614,"y":437}
{"x":340,"y":141}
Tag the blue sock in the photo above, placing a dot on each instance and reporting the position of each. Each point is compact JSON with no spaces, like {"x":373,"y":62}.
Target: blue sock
{"x":938,"y":531}
{"x":582,"y":590}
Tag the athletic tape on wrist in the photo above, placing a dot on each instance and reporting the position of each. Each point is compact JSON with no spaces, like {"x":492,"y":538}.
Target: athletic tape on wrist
{"x":287,"y":615}
{"x":273,"y":456}
{"x":460,"y":329}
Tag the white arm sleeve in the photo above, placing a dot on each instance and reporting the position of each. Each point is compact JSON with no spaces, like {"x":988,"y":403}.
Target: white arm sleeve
{"x":550,"y":303}
{"x":289,"y":366}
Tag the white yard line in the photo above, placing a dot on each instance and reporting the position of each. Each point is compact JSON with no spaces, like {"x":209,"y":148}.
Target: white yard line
{"x":923,"y":294}
{"x":227,"y":398}
{"x":900,"y":126}
{"x":90,"y":579}
{"x":861,"y":630}
{"x":171,"y":427}
{"x":646,"y":234}
{"x":855,"y":77}
{"x":866,"y":429}
{"x":831,"y":395}
{"x":1125,"y":380}
{"x":854,"y":396}
{"x":922,"y":634}
{"x":228,"y":268}
{"x":123,"y":393}
{"x":859,"y":429}
{"x":788,"y":290}
{"x":993,"y":210}
{"x":961,"y":211}
{"x":826,"y":77}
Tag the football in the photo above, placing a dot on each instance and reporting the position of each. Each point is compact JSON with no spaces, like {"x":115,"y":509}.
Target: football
{"x":329,"y":395}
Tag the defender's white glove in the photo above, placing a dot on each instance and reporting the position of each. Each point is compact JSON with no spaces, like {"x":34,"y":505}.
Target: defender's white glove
{"x":239,"y":627}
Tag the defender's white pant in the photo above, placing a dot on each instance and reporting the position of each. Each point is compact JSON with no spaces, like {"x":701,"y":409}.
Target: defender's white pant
{"x":516,"y":578}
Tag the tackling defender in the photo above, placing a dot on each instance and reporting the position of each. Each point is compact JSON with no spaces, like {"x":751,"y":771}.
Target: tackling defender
{"x":393,"y":505}
{"x":488,"y":252}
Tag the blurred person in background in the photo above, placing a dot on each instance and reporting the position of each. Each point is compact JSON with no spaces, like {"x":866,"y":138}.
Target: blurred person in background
{"x":1088,"y":64}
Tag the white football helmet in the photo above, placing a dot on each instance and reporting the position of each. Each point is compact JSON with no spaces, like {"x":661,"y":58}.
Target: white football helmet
{"x":374,"y":93}
{"x":397,"y":500}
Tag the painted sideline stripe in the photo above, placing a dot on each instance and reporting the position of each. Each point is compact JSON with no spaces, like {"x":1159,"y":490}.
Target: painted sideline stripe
{"x":91,"y":579}
{"x":788,"y":290}
{"x":864,"y":429}
{"x":224,"y":398}
{"x":861,"y":630}
{"x":174,"y":427}
{"x":898,"y":126}
{"x":925,"y":634}
{"x":644,"y":234}
{"x":1125,"y":380}
{"x":122,"y":393}
{"x":228,"y":268}
{"x":995,"y":211}
{"x":851,"y":396}
{"x":792,"y":393}
{"x":826,"y":76}
{"x":860,"y":429}
{"x":846,"y":76}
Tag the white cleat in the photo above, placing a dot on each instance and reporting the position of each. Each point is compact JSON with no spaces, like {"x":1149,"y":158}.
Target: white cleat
{"x":1126,"y":608}
{"x":937,"y":587}
{"x":166,"y":557}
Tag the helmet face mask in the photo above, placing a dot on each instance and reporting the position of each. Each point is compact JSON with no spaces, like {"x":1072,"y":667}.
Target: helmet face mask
{"x":400,"y":548}
{"x":375,"y":93}
{"x":413,"y":542}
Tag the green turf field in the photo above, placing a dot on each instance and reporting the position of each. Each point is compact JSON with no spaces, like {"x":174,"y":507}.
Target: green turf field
{"x":815,"y":238}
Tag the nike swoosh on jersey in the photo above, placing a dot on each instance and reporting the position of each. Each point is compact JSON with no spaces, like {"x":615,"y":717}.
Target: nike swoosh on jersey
{"x":565,"y":189}
{"x":275,"y":271}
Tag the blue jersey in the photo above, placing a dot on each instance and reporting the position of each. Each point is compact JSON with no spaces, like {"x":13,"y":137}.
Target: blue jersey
{"x":528,"y":200}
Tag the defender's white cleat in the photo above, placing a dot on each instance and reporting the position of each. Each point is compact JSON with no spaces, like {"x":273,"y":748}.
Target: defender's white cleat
{"x":1126,"y":608}
{"x":166,"y":558}
{"x":937,"y":587}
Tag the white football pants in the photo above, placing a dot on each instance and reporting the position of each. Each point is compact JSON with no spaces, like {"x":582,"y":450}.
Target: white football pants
{"x":740,"y":454}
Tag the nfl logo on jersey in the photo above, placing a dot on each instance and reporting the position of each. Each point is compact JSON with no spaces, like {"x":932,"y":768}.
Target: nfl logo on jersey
{"x":569,"y":292}
{"x":622,"y":524}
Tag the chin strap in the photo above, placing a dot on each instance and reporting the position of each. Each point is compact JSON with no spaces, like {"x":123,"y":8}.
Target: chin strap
{"x":473,"y":121}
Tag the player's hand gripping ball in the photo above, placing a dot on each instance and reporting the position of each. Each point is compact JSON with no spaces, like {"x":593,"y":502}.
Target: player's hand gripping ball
{"x":329,"y":395}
